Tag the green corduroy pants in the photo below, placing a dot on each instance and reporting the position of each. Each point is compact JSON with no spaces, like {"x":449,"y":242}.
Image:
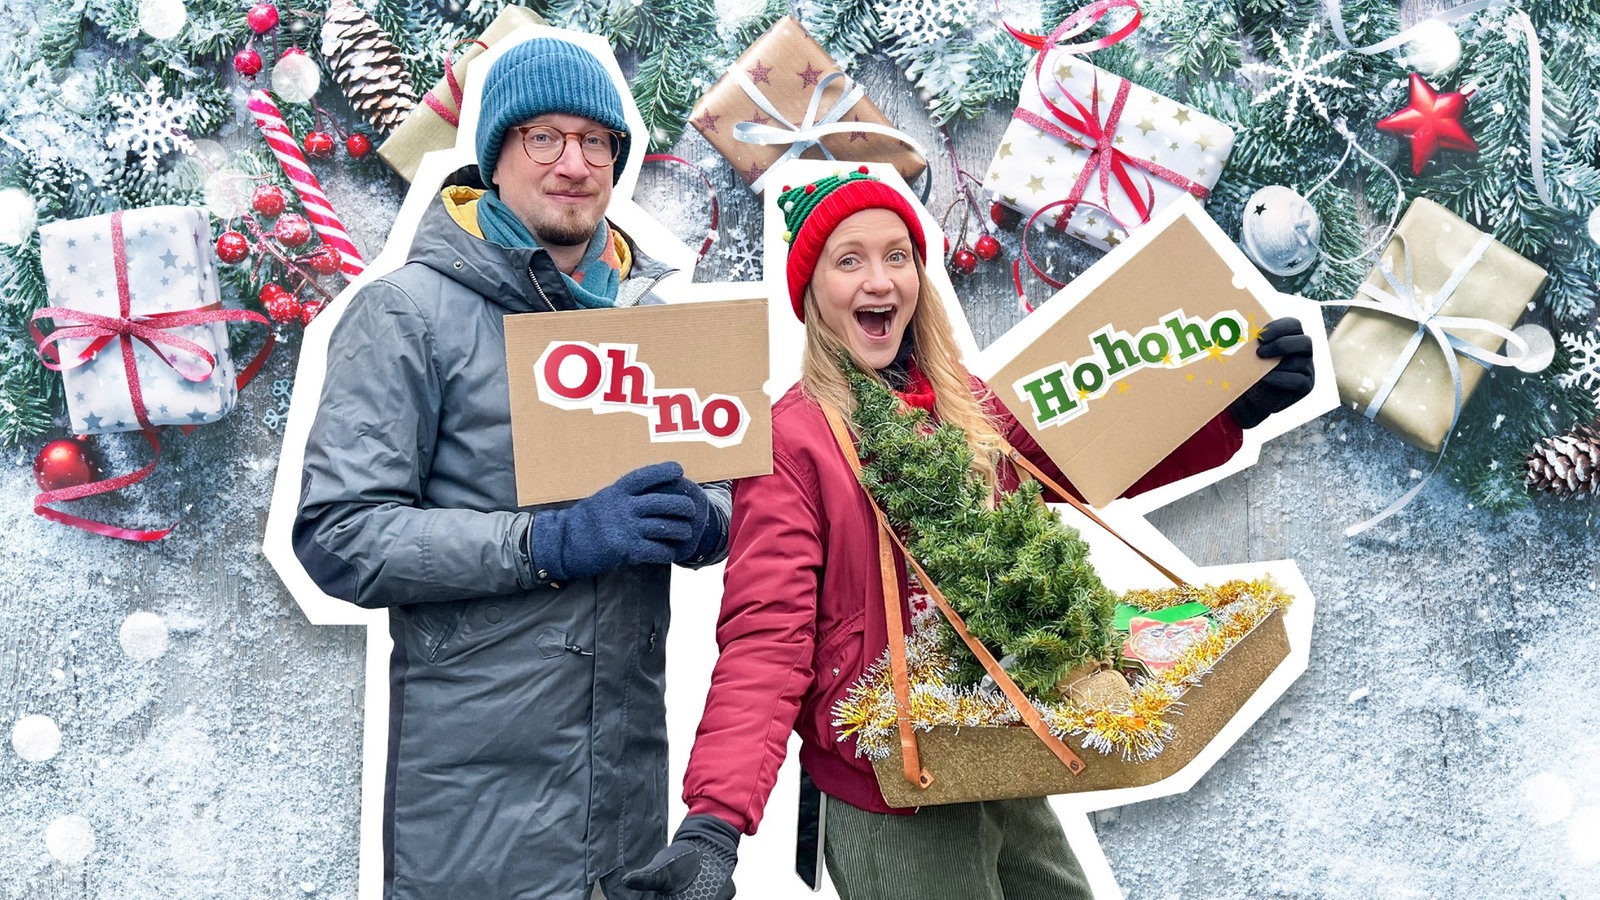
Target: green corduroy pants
{"x":994,"y":850}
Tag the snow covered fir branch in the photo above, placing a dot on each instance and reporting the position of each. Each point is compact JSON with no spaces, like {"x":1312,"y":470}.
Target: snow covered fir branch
{"x":117,"y":104}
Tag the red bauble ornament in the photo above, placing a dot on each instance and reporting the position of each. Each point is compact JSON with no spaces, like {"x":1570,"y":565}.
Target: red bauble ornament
{"x":309,"y":311}
{"x":965,"y":262}
{"x":247,"y":62}
{"x":292,"y":229}
{"x":358,"y":145}
{"x":1004,"y":216}
{"x":324,"y":260}
{"x":262,"y":18}
{"x":64,"y":464}
{"x":268,"y":200}
{"x":1432,"y":121}
{"x":232,"y":247}
{"x":987,"y":247}
{"x":281,"y":306}
{"x":319,"y":144}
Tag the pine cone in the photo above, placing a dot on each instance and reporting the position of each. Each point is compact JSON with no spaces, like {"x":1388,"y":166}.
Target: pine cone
{"x":367,"y":65}
{"x":1568,"y":464}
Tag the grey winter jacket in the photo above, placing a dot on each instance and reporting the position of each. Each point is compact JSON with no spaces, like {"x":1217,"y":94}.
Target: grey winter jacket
{"x":527,"y":742}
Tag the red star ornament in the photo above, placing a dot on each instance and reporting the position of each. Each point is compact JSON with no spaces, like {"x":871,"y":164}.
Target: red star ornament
{"x":1432,"y":121}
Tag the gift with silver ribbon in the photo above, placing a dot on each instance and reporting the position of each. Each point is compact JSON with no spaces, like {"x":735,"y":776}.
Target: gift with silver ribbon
{"x":786,"y":98}
{"x":1441,"y":290}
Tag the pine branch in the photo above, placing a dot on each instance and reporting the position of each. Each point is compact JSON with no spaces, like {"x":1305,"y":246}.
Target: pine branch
{"x":62,"y":34}
{"x":846,"y":29}
{"x":613,"y":19}
{"x":664,"y":90}
{"x":29,"y":393}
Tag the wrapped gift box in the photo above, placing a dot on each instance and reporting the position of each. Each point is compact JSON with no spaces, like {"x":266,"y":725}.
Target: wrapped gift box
{"x":1107,"y":142}
{"x":426,"y":130}
{"x":1372,"y":349}
{"x":775,"y":82}
{"x":145,"y":266}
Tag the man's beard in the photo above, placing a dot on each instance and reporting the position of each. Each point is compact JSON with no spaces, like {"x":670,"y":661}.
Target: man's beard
{"x":563,"y":231}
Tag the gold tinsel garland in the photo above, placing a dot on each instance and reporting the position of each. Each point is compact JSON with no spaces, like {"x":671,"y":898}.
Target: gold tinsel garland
{"x":1138,"y":730}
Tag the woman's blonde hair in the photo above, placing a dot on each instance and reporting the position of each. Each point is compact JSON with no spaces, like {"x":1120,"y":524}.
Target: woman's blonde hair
{"x":936,"y":355}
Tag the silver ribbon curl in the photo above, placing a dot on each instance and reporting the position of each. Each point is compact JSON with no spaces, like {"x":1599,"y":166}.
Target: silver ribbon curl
{"x":1402,"y":300}
{"x":813,"y":128}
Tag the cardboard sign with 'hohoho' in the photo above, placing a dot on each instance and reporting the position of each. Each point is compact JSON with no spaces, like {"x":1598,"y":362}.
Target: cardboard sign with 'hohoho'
{"x":1136,"y":354}
{"x":597,"y":393}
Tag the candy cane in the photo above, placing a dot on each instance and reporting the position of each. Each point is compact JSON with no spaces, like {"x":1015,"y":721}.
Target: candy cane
{"x":318,"y":210}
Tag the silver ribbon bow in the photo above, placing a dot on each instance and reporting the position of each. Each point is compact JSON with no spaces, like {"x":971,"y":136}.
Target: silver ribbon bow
{"x":813,"y":128}
{"x":1403,"y":301}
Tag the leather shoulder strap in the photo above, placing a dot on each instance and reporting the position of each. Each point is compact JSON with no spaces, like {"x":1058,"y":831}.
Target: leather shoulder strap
{"x":1022,"y":462}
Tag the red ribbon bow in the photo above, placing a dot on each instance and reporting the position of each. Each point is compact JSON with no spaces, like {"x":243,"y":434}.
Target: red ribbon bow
{"x":1088,"y":129}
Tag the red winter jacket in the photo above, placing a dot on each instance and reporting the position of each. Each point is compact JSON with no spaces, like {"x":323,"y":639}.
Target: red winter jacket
{"x":802,"y":610}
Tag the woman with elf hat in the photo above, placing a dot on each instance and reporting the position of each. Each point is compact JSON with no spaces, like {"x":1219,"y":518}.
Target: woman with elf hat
{"x":803,"y":609}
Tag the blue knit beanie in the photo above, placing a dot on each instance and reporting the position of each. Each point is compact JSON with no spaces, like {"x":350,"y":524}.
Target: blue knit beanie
{"x":545,"y":75}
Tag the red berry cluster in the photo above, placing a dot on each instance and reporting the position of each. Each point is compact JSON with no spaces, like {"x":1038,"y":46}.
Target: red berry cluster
{"x":262,"y":18}
{"x":965,"y":259}
{"x":284,"y":254}
{"x":321,"y":140}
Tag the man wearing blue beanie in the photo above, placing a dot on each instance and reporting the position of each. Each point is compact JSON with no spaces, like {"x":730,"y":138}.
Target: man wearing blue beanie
{"x":527,"y":733}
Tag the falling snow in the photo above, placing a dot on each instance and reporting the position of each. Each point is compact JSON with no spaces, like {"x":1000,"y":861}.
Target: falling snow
{"x":177,"y":729}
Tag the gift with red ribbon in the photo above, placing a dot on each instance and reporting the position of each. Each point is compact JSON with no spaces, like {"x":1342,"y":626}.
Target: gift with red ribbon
{"x":1108,"y":152}
{"x":432,"y":125}
{"x":138,"y":334}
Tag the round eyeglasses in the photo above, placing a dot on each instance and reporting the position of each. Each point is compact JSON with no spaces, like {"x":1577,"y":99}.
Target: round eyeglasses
{"x":544,"y":144}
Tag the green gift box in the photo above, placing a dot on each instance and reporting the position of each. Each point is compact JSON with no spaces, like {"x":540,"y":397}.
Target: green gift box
{"x":1437,"y":279}
{"x":432,"y":125}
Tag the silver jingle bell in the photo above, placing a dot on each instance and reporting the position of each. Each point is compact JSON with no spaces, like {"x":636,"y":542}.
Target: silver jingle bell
{"x":1281,"y":231}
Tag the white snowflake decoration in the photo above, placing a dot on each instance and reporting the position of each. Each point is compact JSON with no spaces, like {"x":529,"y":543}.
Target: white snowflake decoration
{"x":1585,"y":372}
{"x":744,"y":257}
{"x":152,"y":124}
{"x":912,"y":22}
{"x":1299,"y":76}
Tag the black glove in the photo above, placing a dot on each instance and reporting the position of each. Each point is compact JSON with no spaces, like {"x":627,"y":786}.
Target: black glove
{"x":646,"y":516}
{"x":697,"y":865}
{"x":1290,"y":380}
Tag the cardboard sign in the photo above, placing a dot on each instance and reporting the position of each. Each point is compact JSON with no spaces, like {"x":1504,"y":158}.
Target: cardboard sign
{"x":597,"y":393}
{"x":1134,"y":356}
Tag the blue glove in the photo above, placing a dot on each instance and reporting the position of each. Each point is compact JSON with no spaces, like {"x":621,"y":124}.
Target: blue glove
{"x":697,"y":865}
{"x":1290,"y":380}
{"x":646,"y":516}
{"x":707,"y":525}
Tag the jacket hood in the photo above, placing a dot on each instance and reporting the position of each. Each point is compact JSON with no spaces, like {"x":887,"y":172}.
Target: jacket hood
{"x":497,"y":273}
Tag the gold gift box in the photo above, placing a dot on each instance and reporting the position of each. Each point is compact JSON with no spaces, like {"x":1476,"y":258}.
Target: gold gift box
{"x":425,"y":131}
{"x":787,"y":66}
{"x":1366,"y":344}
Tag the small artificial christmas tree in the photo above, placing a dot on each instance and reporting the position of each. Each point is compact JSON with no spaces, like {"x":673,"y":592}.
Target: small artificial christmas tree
{"x":1019,"y":576}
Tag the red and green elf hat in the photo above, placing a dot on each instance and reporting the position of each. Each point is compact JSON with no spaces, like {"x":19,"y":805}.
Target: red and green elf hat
{"x":812,"y":211}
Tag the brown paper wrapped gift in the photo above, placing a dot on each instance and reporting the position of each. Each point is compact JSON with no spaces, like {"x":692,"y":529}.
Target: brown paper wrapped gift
{"x":771,"y":87}
{"x":426,"y":130}
{"x":1371,"y":348}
